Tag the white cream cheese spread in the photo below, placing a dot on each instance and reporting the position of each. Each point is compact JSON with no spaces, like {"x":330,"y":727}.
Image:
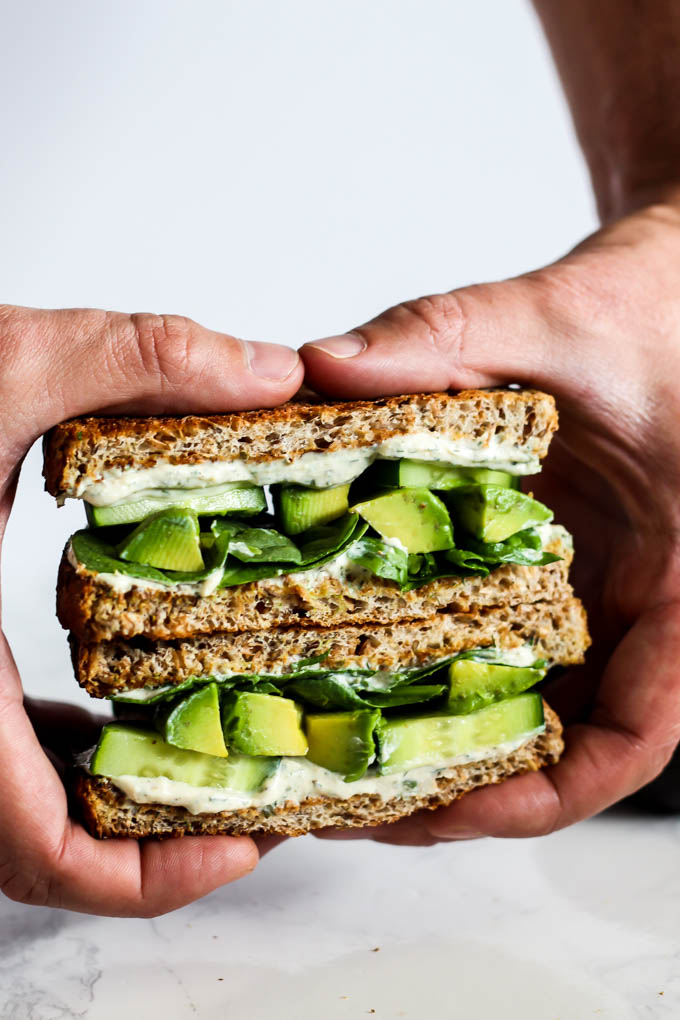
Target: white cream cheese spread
{"x":297,"y":779}
{"x":320,"y":470}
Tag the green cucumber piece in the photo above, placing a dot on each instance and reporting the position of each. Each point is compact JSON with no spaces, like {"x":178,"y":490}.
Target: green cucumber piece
{"x":263,"y":724}
{"x":474,"y":684}
{"x":240,"y":498}
{"x":193,"y":722}
{"x":414,"y":517}
{"x":493,"y":514}
{"x":298,"y":508}
{"x":342,"y":741}
{"x":135,"y":751}
{"x":432,"y":474}
{"x":168,"y":540}
{"x":407,"y":743}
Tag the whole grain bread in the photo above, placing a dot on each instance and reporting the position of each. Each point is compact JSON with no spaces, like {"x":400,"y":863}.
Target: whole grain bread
{"x":107,"y":812}
{"x":557,"y":631}
{"x":78,"y":452}
{"x":92,"y":609}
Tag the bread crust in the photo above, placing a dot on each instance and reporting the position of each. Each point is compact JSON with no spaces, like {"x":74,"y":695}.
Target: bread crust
{"x":77,"y":452}
{"x":557,"y":631}
{"x":107,"y":812}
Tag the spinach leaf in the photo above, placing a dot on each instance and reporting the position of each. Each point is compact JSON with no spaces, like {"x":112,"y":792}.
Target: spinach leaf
{"x":336,"y":691}
{"x":381,"y":558}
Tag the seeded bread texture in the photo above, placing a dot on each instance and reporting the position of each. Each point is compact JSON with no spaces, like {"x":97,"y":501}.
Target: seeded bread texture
{"x":88,"y":606}
{"x":557,"y":631}
{"x":107,"y":812}
{"x":78,"y":452}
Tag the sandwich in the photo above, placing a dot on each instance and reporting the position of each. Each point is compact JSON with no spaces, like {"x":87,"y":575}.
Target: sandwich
{"x":325,"y":614}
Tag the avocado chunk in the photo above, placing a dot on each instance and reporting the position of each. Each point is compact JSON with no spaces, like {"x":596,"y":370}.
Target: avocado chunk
{"x":298,"y":507}
{"x":433,"y":474}
{"x":342,"y":741}
{"x":240,"y":498}
{"x":414,"y":517}
{"x":168,"y":540}
{"x":263,"y":724}
{"x":414,"y":741}
{"x":474,"y":684}
{"x":125,"y":750}
{"x":193,"y":722}
{"x":492,"y":514}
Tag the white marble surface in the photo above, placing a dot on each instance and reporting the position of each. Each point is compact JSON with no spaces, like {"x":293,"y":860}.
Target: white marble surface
{"x":584,"y":923}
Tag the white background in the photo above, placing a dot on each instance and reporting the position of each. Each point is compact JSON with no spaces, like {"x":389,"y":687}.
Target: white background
{"x":284,"y":170}
{"x":276,"y":170}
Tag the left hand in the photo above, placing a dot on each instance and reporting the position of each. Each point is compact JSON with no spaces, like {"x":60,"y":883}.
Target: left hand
{"x":600,"y":330}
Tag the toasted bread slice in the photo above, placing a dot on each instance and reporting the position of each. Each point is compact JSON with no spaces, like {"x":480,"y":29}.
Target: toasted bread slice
{"x":80,"y":453}
{"x":557,"y":631}
{"x":107,"y":811}
{"x":94,"y":610}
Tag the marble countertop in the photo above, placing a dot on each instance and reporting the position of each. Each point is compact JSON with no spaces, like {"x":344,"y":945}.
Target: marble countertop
{"x":584,"y":923}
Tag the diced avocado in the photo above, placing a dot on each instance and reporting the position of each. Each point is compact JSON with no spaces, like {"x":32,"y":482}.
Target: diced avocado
{"x":407,"y":743}
{"x":493,"y":514}
{"x":433,"y":474}
{"x":168,"y":540}
{"x":240,"y":498}
{"x":263,"y":724}
{"x":474,"y":684}
{"x":298,"y":508}
{"x":342,"y":741}
{"x":193,"y":722}
{"x":415,"y":517}
{"x":134,"y":751}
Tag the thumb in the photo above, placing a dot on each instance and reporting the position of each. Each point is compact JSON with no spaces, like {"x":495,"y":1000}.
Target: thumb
{"x":59,"y":364}
{"x":486,"y":335}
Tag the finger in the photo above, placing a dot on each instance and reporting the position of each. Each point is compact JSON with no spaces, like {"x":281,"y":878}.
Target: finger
{"x":59,"y":364}
{"x":65,"y":729}
{"x":479,"y":336}
{"x":628,"y":739}
{"x":126,"y":878}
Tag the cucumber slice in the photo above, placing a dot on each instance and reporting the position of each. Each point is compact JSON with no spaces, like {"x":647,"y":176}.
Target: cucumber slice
{"x":135,"y":751}
{"x":432,"y":474}
{"x":298,"y":508}
{"x":240,"y":498}
{"x":194,"y":722}
{"x":415,"y":517}
{"x":168,"y":540}
{"x":493,"y":514}
{"x":474,"y":684}
{"x":263,"y":724}
{"x":411,"y":742}
{"x":342,"y":741}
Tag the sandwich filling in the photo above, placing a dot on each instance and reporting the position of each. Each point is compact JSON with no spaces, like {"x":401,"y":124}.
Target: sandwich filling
{"x":226,"y":743}
{"x":406,"y":521}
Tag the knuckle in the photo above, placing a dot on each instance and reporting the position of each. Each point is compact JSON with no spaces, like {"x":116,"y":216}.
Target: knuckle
{"x":164,"y":344}
{"x":443,"y":318}
{"x":22,"y":886}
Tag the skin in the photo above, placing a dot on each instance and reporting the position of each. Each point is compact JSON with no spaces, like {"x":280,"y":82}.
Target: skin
{"x":55,"y":365}
{"x":599,"y":329}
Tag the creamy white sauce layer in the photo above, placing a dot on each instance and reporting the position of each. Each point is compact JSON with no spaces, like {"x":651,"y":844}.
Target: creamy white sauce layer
{"x":341,"y":569}
{"x":297,"y":779}
{"x":522,"y":655}
{"x":319,"y":470}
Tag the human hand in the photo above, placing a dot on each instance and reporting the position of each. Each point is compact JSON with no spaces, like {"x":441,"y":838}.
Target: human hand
{"x":600,"y":330}
{"x":54,"y":365}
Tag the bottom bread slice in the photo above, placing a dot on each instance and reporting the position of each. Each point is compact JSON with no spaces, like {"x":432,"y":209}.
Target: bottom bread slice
{"x":106,"y":811}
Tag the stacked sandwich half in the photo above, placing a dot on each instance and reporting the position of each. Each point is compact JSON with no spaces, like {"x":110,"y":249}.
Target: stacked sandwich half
{"x":322,"y":614}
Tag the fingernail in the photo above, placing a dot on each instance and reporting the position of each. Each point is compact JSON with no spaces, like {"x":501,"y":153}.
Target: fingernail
{"x":346,"y":346}
{"x":450,"y":832}
{"x":270,"y":361}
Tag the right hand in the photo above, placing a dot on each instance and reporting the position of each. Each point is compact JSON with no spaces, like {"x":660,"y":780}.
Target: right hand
{"x":56,"y":365}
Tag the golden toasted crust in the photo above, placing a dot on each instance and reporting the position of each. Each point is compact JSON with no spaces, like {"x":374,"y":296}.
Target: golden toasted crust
{"x":557,"y":631}
{"x":77,"y":452}
{"x":94,"y":611}
{"x":106,"y":811}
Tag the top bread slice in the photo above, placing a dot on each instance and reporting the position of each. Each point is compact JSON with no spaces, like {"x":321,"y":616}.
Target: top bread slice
{"x":79,"y":453}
